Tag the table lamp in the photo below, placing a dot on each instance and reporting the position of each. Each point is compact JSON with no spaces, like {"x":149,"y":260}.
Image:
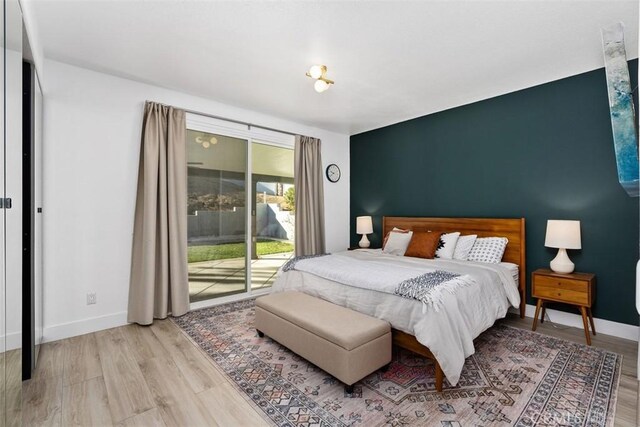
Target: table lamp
{"x":563,"y":234}
{"x":364,"y":226}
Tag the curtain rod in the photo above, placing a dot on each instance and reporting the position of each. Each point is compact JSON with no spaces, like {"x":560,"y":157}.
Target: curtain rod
{"x":186,"y":110}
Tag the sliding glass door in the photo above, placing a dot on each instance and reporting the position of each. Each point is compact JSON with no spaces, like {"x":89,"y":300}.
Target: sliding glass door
{"x":216,"y":225}
{"x":241,"y":209}
{"x":273,"y":225}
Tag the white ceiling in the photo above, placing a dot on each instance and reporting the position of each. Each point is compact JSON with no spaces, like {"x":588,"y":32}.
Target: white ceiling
{"x":391,"y":60}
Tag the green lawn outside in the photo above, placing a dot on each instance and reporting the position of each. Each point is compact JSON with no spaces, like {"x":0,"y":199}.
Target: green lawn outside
{"x":235,"y":250}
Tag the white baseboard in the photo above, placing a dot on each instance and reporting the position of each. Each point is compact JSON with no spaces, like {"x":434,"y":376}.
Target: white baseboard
{"x":11,"y":341}
{"x":607,"y":327}
{"x":95,"y":324}
{"x":84,"y":326}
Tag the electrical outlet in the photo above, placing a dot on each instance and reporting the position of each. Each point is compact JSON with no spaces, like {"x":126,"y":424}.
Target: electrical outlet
{"x":91,"y":298}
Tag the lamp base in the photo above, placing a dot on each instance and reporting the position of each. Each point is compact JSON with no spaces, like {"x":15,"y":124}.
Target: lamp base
{"x":364,"y":242}
{"x":561,"y":263}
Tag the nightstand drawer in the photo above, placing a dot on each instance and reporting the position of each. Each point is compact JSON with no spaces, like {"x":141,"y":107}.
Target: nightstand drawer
{"x":558,"y":293}
{"x":561,"y":283}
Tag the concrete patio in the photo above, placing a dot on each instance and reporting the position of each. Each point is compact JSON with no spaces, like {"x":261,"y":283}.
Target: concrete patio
{"x":210,"y":279}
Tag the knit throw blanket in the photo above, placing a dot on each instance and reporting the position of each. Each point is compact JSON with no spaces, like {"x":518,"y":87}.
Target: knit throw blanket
{"x":428,"y":287}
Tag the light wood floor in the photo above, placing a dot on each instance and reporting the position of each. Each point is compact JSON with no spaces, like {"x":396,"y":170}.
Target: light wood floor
{"x":131,"y":376}
{"x":154,"y":376}
{"x":10,"y":412}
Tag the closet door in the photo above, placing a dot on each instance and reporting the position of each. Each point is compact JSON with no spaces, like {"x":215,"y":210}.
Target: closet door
{"x":13,"y":215}
{"x":31,"y":222}
{"x":3,"y":269}
{"x":38,"y":241}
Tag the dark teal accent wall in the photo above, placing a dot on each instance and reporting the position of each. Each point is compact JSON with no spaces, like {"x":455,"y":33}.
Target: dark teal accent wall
{"x":541,"y":153}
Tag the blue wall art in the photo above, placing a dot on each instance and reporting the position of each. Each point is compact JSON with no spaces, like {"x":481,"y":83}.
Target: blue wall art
{"x":623,"y":121}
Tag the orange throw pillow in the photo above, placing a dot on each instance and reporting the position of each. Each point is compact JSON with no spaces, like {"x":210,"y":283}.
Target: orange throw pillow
{"x":423,"y":244}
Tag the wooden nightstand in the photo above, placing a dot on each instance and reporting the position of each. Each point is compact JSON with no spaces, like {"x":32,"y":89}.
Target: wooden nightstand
{"x":575,"y":288}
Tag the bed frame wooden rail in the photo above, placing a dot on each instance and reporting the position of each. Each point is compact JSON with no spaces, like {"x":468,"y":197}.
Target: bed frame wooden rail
{"x":511,"y":228}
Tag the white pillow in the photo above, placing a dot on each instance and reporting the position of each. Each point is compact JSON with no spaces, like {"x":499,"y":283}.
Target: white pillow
{"x":488,"y":249}
{"x":463,"y":246}
{"x":397,"y":243}
{"x":449,"y":241}
{"x":399,"y":230}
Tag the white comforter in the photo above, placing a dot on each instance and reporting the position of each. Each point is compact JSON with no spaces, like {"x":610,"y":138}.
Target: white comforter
{"x":447,"y":332}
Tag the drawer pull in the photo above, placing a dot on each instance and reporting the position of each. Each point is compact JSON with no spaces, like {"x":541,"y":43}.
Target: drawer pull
{"x":559,"y":283}
{"x":559,"y":294}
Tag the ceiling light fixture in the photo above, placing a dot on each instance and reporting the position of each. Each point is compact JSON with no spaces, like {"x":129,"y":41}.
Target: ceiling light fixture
{"x":206,"y":143}
{"x":320,"y":86}
{"x":318,"y":73}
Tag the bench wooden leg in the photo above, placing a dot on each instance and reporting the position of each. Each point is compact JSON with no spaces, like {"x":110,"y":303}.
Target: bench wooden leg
{"x":385,"y":368}
{"x":348,"y":389}
{"x":260,"y":333}
{"x":439,"y":376}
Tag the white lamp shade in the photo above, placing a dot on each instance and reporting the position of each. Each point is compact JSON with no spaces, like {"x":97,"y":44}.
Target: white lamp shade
{"x":364,"y":225}
{"x":563,"y":234}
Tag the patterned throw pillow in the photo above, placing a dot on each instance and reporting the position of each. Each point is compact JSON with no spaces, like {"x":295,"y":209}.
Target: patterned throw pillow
{"x":449,"y":240}
{"x":463,"y":246}
{"x":423,"y":244}
{"x":488,"y":249}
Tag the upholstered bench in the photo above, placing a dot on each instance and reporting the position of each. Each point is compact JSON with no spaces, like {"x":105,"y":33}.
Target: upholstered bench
{"x":347,"y":344}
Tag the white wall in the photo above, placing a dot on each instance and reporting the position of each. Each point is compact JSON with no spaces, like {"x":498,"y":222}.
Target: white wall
{"x":91,"y":150}
{"x":32,"y":33}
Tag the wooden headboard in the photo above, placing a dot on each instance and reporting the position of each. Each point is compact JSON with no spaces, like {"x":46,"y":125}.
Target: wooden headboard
{"x":511,"y":228}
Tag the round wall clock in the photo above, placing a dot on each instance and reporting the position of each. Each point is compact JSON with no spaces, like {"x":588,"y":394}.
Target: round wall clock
{"x":333,"y":172}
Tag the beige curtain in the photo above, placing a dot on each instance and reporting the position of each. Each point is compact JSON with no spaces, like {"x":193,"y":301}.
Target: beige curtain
{"x":159,"y":279}
{"x":309,"y":197}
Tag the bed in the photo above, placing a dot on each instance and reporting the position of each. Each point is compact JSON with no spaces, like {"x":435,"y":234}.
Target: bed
{"x":443,"y":334}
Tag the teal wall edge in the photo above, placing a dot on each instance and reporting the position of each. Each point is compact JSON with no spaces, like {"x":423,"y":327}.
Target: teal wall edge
{"x":541,"y":153}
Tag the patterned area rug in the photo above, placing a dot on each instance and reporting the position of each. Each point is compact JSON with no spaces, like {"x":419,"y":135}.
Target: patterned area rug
{"x":516,"y":378}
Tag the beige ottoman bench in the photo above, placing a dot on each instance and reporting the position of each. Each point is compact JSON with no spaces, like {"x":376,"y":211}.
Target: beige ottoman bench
{"x":347,"y":344}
